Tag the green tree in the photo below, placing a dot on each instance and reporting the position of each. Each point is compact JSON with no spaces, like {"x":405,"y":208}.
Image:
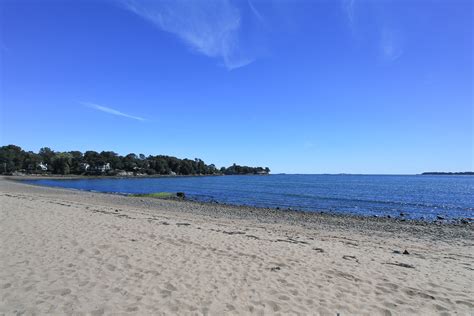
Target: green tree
{"x":93,"y":158}
{"x":61,"y":163}
{"x":77,"y":158}
{"x":130,"y":162}
{"x":11,"y":158}
{"x":46,"y":155}
{"x":31,"y":161}
{"x":113,"y":158}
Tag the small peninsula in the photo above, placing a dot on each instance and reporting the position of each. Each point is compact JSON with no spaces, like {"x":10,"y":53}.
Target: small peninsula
{"x":15,"y":161}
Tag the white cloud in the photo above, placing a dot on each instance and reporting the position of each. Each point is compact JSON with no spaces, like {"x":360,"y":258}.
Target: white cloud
{"x":209,"y":27}
{"x":110,"y":111}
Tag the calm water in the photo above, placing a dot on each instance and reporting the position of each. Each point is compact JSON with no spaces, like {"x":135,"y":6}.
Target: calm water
{"x":417,"y":196}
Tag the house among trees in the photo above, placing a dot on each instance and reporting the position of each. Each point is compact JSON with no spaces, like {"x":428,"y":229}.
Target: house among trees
{"x":84,"y":166}
{"x":43,"y":167}
{"x":103,"y":168}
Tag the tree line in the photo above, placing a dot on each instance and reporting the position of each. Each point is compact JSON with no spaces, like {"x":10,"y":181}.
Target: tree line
{"x":47,"y":161}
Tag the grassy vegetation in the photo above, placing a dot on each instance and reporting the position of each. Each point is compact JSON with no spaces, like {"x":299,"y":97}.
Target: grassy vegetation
{"x":158,"y":195}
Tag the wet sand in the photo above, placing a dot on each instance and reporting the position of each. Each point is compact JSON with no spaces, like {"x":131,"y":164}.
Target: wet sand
{"x":72,"y":252}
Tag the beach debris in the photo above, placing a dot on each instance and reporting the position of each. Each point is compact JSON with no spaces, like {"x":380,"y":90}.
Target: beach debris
{"x":164,"y":223}
{"x":228,"y":232}
{"x":233,"y":233}
{"x":292,"y":241}
{"x":439,"y":217}
{"x":183,"y":224}
{"x":318,"y":249}
{"x":405,"y":252}
{"x":350,"y":243}
{"x":252,"y":236}
{"x":273,"y":269}
{"x":347,"y":257}
{"x":401,"y":264}
{"x":181,"y":195}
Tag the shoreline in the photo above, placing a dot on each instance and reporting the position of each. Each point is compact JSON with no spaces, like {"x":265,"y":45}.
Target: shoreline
{"x":69,"y":252}
{"x":84,"y":177}
{"x":289,"y":216}
{"x":437,"y":221}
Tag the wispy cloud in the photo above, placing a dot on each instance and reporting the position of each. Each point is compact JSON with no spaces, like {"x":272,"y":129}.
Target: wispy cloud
{"x":386,"y":38}
{"x":308,"y":144}
{"x":111,"y":111}
{"x":391,"y":44}
{"x":211,"y":28}
{"x":257,"y":14}
{"x":349,"y":9}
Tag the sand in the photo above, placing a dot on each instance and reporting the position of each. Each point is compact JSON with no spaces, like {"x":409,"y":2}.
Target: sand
{"x":72,"y":252}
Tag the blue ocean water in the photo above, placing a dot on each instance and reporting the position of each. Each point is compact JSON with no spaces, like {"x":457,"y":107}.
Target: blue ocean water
{"x":417,"y":196}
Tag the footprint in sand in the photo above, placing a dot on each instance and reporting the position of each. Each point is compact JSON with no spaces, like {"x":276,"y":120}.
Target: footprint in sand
{"x":98,"y":312}
{"x":111,"y":267}
{"x":62,"y":292}
{"x":170,"y":287}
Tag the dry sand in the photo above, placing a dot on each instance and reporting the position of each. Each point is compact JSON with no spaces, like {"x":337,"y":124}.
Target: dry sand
{"x":71,"y":252}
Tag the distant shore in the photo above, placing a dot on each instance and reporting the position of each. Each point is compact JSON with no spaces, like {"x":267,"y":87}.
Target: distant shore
{"x":465,"y":173}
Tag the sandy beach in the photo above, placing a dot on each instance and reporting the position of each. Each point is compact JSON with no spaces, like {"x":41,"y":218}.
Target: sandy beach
{"x":73,"y":252}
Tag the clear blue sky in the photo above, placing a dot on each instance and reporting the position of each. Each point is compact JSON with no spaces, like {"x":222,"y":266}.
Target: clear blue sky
{"x":298,"y":86}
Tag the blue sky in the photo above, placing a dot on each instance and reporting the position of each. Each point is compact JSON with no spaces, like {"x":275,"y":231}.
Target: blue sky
{"x":299,"y":86}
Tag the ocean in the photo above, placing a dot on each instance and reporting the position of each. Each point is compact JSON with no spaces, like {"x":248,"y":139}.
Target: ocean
{"x":416,"y":196}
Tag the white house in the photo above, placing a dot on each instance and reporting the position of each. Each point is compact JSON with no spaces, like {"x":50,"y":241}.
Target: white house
{"x":103,"y":168}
